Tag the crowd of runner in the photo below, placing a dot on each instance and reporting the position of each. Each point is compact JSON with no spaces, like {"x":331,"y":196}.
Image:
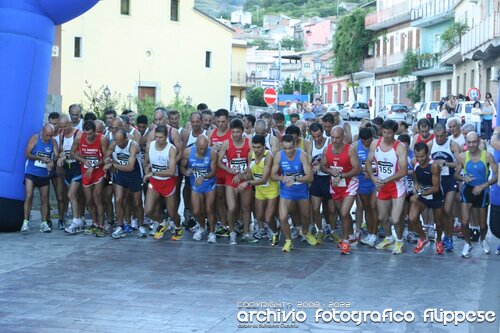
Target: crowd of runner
{"x":251,"y":180}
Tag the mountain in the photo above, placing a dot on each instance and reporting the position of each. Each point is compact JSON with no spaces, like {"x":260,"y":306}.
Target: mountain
{"x":219,"y":8}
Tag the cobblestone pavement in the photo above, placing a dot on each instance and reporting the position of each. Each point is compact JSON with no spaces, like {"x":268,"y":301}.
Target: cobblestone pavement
{"x":61,"y":283}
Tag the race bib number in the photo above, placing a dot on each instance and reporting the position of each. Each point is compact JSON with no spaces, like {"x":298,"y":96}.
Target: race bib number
{"x":39,"y":163}
{"x":427,"y":197}
{"x":199,"y":173}
{"x":69,"y":159}
{"x":158,"y":168}
{"x":121,"y":159}
{"x":93,"y":161}
{"x":238,"y":164}
{"x":409,"y":183}
{"x":342,"y":182}
{"x":385,"y":168}
{"x":296,"y":175}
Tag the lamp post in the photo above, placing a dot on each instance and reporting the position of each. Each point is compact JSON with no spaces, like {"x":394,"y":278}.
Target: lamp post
{"x":130,"y":99}
{"x":106,"y":92}
{"x":189,"y":100}
{"x":177,"y":90}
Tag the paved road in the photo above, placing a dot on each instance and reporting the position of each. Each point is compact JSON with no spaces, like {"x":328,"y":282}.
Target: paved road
{"x":61,"y":283}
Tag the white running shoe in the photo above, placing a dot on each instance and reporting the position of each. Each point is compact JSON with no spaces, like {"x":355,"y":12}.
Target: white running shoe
{"x":198,"y":235}
{"x":232,"y":238}
{"x":467,"y":250}
{"x":44,"y":227}
{"x":154,"y":227}
{"x":26,"y":226}
{"x":142,"y":233}
{"x":212,"y":238}
{"x":485,"y":245}
{"x":134,"y":224}
{"x":118,"y":233}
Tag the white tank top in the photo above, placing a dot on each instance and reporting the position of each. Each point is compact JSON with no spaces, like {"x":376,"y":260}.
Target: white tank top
{"x":387,"y":161}
{"x":159,"y":158}
{"x":443,"y":152}
{"x":460,"y":141}
{"x":317,"y":154}
{"x":192,"y":139}
{"x":66,"y":147}
{"x":268,"y":141}
{"x":121,"y":155}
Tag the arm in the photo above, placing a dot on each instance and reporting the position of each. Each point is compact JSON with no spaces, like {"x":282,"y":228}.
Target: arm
{"x":275,"y":145}
{"x":356,"y":168}
{"x":348,"y":133}
{"x":178,"y":145}
{"x":75,"y":154}
{"x":456,"y":151}
{"x":146,"y":166}
{"x":306,"y":165}
{"x":268,"y":164}
{"x":29,"y":149}
{"x":213,"y":164}
{"x":184,"y":139}
{"x":436,"y":180}
{"x":276,"y":168}
{"x":369,"y":170}
{"x":184,"y":163}
{"x":491,"y":161}
{"x":458,"y":169}
{"x":170,"y":172}
{"x":402,"y":154}
{"x":222,"y":154}
{"x":104,"y":148}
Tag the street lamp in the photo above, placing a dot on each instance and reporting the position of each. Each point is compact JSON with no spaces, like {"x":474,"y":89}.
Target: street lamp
{"x":106,"y":92}
{"x":130,"y":99}
{"x":177,"y":90}
{"x":189,"y":100}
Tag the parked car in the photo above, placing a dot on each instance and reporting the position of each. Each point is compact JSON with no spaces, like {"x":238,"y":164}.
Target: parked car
{"x":429,"y":110}
{"x":463,"y":110}
{"x":396,"y":112}
{"x":335,"y":107}
{"x":355,"y":111}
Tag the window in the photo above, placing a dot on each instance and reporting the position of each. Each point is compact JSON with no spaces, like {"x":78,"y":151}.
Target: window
{"x":149,"y":92}
{"x":261,"y":68}
{"x":307,"y":65}
{"x":125,"y":7}
{"x":208,"y":59}
{"x":174,"y":10}
{"x":78,"y":47}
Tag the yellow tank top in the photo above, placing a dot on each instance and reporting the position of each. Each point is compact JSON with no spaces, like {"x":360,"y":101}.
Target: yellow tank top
{"x":258,"y":172}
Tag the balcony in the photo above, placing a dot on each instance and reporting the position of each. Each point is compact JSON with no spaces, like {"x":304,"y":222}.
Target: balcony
{"x":291,"y":67}
{"x":389,"y":17}
{"x":430,"y":64}
{"x":483,"y":40}
{"x":383,"y":64}
{"x":239,"y":79}
{"x":452,"y":56}
{"x":433,"y":12}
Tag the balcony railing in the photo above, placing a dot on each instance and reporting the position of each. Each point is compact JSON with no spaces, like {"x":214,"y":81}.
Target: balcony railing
{"x":291,"y":67}
{"x":373,"y":63}
{"x":387,"y":17}
{"x":238,"y":78}
{"x":434,"y":9}
{"x":481,"y":34}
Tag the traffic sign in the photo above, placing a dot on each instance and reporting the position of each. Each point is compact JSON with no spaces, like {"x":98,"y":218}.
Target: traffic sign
{"x":269,"y":83}
{"x":270,"y":96}
{"x":474,"y":94}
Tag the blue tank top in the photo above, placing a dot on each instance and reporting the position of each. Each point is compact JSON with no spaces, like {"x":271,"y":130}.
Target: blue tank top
{"x":41,"y":149}
{"x":362,"y":156}
{"x":478,"y":170}
{"x":292,"y":168}
{"x":200,"y":167}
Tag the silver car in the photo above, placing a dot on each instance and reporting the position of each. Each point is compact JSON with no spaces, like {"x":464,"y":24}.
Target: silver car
{"x":355,"y":111}
{"x":396,"y":112}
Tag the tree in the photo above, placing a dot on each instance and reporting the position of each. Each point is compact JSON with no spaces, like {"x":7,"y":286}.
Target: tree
{"x":255,"y":97}
{"x":292,"y":43}
{"x":350,"y":45}
{"x":261,"y":44}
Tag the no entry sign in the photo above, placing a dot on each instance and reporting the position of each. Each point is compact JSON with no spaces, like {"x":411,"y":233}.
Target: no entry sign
{"x":270,"y":96}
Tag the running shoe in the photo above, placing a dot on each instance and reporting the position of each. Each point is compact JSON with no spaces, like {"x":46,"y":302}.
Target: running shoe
{"x":248,"y":238}
{"x":387,"y":241}
{"x":61,"y":224}
{"x":466,"y":251}
{"x":232,"y":238}
{"x":327,"y":230}
{"x":310,"y":239}
{"x":135,"y":224}
{"x":412,"y":237}
{"x":320,"y":237}
{"x":275,"y":241}
{"x":99,"y":232}
{"x":345,"y":248}
{"x":49,"y":223}
{"x":222,"y":232}
{"x":74,"y":228}
{"x":127,"y":228}
{"x":294,"y":232}
{"x":398,"y":247}
{"x":457,"y":228}
{"x":108,"y":228}
{"x":261,"y":233}
{"x":439,"y":248}
{"x":335,"y":238}
{"x":189,"y":222}
{"x":198,"y":235}
{"x":118,"y":233}
{"x":485,"y":245}
{"x":447,"y":244}
{"x":288,"y":246}
{"x":160,"y":231}
{"x":369,"y":240}
{"x":91,"y":230}
{"x":177,"y":234}
{"x":26,"y":226}
{"x":431,"y":232}
{"x":142,"y":233}
{"x":497,"y":252}
{"x":420,"y":245}
{"x":44,"y":227}
{"x":212,"y":239}
{"x":154,"y":227}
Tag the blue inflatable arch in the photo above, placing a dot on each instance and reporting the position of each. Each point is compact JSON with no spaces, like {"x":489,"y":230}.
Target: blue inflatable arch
{"x":26,"y":36}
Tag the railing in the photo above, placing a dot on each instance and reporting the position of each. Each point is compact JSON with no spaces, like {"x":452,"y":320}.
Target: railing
{"x":482,"y":33}
{"x":291,"y":67}
{"x":399,"y":9}
{"x":432,"y":8}
{"x":383,"y":61}
{"x":238,"y":78}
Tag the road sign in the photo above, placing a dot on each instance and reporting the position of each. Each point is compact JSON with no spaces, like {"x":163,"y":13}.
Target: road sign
{"x":270,"y":96}
{"x":269,"y":83}
{"x":474,"y":94}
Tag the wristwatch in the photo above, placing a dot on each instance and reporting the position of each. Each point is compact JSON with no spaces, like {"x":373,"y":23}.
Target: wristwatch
{"x":248,"y":182}
{"x":294,"y":179}
{"x":341,"y":175}
{"x":419,"y":193}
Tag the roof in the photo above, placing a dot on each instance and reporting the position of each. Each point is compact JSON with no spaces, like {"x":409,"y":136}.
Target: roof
{"x":213,"y":19}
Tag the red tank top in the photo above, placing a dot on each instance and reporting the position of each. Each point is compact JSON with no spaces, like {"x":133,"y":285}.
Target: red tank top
{"x":91,"y":152}
{"x":237,"y":159}
{"x":419,"y":138}
{"x":341,"y":161}
{"x":216,"y":139}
